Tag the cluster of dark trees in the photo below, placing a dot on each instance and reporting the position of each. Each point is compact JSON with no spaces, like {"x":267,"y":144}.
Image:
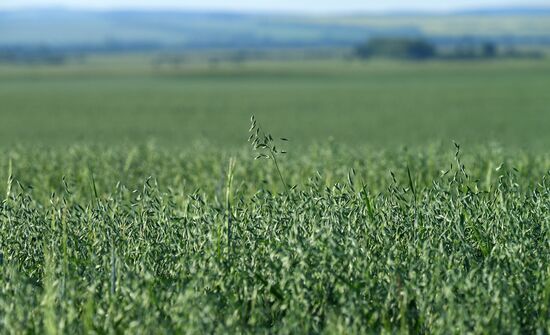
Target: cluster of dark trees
{"x":422,"y":49}
{"x":396,"y":48}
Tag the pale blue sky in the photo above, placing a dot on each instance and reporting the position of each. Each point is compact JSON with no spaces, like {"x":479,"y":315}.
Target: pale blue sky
{"x":275,"y":5}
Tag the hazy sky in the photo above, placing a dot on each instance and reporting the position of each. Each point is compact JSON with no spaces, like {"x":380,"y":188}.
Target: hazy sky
{"x":276,"y":5}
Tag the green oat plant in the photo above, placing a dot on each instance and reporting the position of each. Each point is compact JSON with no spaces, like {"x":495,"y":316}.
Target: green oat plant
{"x":265,"y":144}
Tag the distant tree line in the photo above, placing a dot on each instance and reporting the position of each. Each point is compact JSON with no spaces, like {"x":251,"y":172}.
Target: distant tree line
{"x":59,"y":55}
{"x":32,"y":55}
{"x":423,"y":49}
{"x":396,"y":48}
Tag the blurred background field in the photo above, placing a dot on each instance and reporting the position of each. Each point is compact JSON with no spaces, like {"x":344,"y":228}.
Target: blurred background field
{"x":75,"y":76}
{"x":126,"y":98}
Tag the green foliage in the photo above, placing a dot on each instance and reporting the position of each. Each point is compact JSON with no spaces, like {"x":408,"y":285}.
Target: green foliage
{"x":132,"y":239}
{"x":180,"y":236}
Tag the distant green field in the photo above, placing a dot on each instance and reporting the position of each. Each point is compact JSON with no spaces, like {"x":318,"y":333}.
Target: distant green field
{"x":126,"y":99}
